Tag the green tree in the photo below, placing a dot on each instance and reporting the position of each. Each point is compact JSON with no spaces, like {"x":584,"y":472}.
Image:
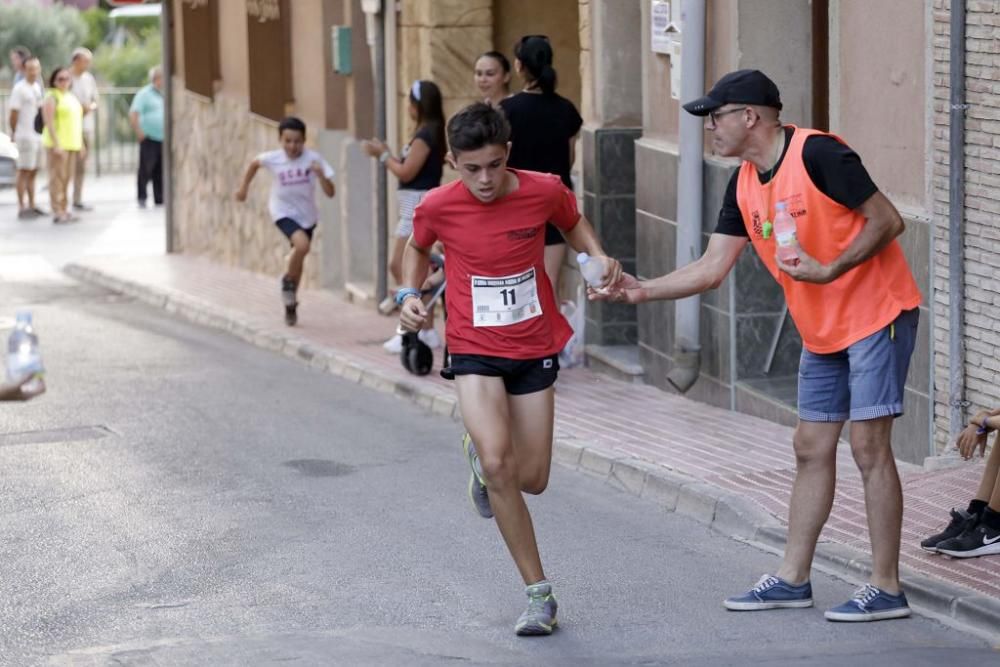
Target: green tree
{"x":50,"y":32}
{"x":128,"y":65}
{"x":98,"y":26}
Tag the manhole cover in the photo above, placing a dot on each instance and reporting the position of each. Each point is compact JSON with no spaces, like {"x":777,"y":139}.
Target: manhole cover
{"x":71,"y":434}
{"x":319,"y":467}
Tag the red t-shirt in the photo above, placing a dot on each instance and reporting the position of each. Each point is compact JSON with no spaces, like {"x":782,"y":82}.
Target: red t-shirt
{"x":500,"y":301}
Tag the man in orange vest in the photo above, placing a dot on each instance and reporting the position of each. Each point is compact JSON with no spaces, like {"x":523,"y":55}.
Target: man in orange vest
{"x":855,"y":303}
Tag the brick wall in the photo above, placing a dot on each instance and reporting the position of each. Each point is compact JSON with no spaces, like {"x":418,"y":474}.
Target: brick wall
{"x":982,"y":208}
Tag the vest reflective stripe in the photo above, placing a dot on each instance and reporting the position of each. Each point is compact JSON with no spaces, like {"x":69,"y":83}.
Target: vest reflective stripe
{"x":857,"y":304}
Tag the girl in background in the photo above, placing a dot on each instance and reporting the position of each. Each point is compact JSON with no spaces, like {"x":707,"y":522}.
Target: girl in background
{"x":543,"y":127}
{"x":492,"y":77}
{"x":419,"y":168}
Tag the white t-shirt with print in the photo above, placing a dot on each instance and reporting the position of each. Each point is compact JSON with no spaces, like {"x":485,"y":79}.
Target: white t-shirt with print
{"x":294,"y":185}
{"x":27,"y":99}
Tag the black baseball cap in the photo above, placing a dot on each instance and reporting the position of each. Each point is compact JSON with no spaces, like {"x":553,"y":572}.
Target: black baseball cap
{"x":744,"y":86}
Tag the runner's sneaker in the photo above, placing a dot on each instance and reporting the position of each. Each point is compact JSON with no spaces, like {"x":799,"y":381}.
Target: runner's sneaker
{"x":960,"y":522}
{"x":288,"y":289}
{"x":772,"y":593}
{"x":540,"y":616}
{"x":430,"y":338}
{"x":870,"y":604}
{"x":980,"y":540}
{"x":477,"y":487}
{"x":394,"y":345}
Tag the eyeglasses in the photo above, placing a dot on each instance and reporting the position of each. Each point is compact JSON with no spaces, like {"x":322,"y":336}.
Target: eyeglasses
{"x":527,"y":37}
{"x":715,"y":115}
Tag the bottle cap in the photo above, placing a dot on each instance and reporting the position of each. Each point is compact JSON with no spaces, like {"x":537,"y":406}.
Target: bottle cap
{"x":780,"y":206}
{"x":582,"y":258}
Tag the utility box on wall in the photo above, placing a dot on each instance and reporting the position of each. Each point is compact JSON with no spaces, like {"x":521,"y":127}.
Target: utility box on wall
{"x":340,"y":48}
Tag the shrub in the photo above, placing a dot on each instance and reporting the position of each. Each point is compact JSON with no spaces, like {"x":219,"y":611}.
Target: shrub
{"x":50,"y":32}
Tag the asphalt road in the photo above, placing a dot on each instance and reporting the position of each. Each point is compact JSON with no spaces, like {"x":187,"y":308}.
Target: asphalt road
{"x":181,"y":498}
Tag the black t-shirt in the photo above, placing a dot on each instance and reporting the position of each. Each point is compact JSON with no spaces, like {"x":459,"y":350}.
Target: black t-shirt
{"x":540,"y":129}
{"x":834,"y":168}
{"x":429,"y":175}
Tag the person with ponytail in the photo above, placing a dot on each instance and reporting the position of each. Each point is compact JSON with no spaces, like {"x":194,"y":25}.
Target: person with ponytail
{"x":419,"y":168}
{"x":544,"y":126}
{"x":492,"y":77}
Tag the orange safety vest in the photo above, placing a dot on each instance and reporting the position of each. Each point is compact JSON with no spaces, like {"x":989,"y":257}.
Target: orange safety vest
{"x":829,"y":317}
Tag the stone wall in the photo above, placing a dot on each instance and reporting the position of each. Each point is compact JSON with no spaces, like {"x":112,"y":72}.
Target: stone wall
{"x":982,"y":206}
{"x":215,"y":140}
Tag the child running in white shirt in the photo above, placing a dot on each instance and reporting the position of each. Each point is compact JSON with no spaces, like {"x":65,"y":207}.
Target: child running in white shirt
{"x":296,"y":171}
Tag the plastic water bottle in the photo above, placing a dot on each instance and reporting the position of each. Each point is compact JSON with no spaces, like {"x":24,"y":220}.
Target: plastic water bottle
{"x":784,"y":234}
{"x":23,"y":356}
{"x":592,"y":269}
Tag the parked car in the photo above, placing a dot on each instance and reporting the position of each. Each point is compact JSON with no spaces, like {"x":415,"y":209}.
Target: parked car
{"x":8,"y":161}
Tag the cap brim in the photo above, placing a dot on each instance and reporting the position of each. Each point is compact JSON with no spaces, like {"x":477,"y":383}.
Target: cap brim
{"x":702,"y":106}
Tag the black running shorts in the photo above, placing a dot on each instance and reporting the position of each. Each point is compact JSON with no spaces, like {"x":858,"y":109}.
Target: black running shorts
{"x":520,"y":376}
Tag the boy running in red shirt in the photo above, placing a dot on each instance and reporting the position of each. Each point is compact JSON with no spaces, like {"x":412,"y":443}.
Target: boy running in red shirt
{"x":504,"y":328}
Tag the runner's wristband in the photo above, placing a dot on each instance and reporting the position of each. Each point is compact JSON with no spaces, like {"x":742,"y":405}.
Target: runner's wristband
{"x":984,"y":428}
{"x":384,"y":157}
{"x":404,"y":292}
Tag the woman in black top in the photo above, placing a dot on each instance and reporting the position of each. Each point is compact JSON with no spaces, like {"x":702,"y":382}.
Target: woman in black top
{"x":421,"y":164}
{"x":543,"y":127}
{"x":419,"y":169}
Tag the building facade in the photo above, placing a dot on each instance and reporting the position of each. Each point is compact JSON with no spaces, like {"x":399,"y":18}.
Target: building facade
{"x":875,"y":74}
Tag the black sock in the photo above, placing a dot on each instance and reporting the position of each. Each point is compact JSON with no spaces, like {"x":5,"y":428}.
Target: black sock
{"x":991,"y":519}
{"x":976,"y":507}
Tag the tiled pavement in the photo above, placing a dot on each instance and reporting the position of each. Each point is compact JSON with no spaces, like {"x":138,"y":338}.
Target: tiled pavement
{"x":724,"y":454}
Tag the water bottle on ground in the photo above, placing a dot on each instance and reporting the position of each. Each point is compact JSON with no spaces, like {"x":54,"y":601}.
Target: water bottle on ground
{"x":592,"y":268}
{"x":23,"y":355}
{"x":784,"y":234}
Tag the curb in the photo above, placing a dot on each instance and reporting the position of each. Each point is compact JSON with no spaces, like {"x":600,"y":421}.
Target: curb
{"x":723,"y":511}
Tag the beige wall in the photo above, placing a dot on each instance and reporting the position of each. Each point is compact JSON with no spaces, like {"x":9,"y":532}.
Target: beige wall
{"x":310,"y":61}
{"x":558,"y":19}
{"x":178,"y":26}
{"x":233,"y":50}
{"x":879,"y":106}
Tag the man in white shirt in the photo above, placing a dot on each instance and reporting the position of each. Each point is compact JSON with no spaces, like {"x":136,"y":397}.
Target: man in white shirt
{"x":84,"y":86}
{"x":25,"y":101}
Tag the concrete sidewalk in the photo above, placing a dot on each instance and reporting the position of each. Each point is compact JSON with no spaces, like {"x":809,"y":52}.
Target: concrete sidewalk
{"x":729,"y":470}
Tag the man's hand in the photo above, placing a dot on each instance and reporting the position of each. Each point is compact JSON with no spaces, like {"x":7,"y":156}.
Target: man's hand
{"x":18,"y":390}
{"x":613,"y":273}
{"x":807,"y":269}
{"x":412,"y":314}
{"x":140,"y":136}
{"x":241,"y":195}
{"x":627,"y":289}
{"x":970,"y":439}
{"x":317,"y":168}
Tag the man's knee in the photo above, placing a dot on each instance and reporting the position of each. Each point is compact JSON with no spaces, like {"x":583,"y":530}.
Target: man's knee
{"x":811,"y":449}
{"x":870,"y":451}
{"x":301,"y":243}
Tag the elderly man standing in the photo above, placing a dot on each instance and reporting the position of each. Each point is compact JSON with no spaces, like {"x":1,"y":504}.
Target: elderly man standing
{"x":84,"y":86}
{"x":146,"y":116}
{"x":854,"y":301}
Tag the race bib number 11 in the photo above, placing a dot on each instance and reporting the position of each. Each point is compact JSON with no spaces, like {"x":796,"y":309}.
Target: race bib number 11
{"x":500,"y":302}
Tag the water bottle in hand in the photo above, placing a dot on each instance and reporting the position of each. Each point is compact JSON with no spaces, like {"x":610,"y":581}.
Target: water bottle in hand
{"x":592,"y":268}
{"x":784,"y":234}
{"x":23,"y":355}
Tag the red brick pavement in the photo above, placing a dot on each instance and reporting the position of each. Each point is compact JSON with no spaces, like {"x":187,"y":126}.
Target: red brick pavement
{"x":730,"y":450}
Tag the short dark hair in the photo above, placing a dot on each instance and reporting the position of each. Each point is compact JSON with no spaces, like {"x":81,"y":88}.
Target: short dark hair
{"x":292,"y":123}
{"x":23,"y":52}
{"x":476,"y":126}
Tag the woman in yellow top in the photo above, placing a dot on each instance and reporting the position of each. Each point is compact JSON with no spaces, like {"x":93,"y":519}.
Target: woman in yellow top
{"x":63,"y":137}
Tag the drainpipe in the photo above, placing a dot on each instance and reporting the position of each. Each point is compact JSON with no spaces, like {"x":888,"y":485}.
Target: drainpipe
{"x":687,"y":329}
{"x":375,"y":28}
{"x":166,"y":60}
{"x":956,"y":211}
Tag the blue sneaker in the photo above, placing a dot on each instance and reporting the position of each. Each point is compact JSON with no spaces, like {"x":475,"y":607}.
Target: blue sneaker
{"x":772,"y":593}
{"x":477,"y":487}
{"x":870,"y":604}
